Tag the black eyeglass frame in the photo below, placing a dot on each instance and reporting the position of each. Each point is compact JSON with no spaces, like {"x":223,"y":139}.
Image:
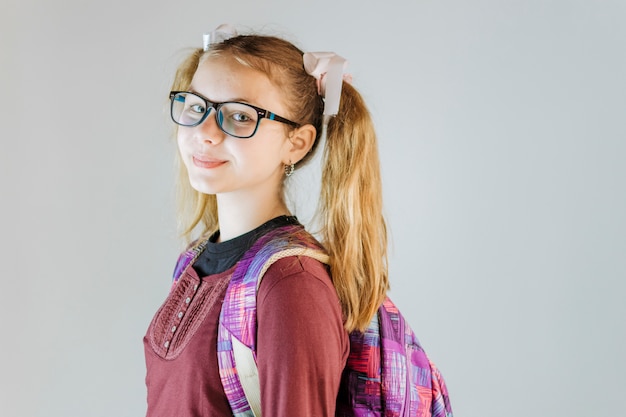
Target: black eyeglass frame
{"x":262,"y":113}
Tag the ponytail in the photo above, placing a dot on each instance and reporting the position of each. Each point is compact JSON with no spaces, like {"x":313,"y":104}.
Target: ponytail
{"x":354,"y":231}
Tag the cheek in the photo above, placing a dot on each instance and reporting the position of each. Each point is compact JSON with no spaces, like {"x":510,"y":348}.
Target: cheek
{"x":272,"y":142}
{"x":182,"y":141}
{"x":261,"y":153}
{"x":184,"y":151}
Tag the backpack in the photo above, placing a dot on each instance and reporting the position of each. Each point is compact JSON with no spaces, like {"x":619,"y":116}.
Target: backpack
{"x":387,"y":373}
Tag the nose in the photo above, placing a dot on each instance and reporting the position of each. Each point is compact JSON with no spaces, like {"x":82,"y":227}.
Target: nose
{"x":209,"y":130}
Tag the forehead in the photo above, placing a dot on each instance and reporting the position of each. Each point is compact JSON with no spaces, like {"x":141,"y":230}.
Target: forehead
{"x":225,"y":79}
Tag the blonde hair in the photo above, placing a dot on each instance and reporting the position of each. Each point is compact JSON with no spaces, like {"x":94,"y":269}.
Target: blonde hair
{"x":353,"y":229}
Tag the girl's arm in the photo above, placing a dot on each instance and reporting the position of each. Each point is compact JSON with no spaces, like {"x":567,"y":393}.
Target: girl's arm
{"x":302,"y":345}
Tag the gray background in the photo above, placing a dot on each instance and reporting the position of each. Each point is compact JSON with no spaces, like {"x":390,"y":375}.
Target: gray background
{"x":502,"y":140}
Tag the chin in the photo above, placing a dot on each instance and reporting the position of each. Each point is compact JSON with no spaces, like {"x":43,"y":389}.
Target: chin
{"x":204,"y":189}
{"x":203,"y":186}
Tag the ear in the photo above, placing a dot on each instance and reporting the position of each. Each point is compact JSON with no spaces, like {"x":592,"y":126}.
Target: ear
{"x":301,"y":141}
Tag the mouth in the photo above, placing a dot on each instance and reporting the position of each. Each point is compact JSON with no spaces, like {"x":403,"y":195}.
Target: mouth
{"x":205,"y":162}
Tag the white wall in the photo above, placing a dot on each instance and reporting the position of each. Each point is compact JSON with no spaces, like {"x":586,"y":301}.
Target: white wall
{"x":502,"y":139}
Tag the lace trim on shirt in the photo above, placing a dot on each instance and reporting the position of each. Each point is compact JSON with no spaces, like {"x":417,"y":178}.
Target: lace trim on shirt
{"x":182,"y":313}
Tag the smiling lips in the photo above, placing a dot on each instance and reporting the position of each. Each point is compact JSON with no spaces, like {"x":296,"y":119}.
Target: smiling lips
{"x":205,"y":162}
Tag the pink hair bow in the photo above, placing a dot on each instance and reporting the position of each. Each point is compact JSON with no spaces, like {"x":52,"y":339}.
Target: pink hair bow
{"x":220,"y":34}
{"x":328,"y":69}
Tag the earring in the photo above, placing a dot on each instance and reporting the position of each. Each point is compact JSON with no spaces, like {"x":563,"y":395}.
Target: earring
{"x":289,"y":169}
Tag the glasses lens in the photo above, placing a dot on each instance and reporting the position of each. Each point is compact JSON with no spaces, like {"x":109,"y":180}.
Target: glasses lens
{"x":188,"y":109}
{"x":238,"y":119}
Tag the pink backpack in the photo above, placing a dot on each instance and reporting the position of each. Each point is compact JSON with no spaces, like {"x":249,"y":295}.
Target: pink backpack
{"x":387,"y":373}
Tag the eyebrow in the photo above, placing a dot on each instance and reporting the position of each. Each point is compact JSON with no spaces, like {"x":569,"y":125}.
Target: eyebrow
{"x":236,"y":99}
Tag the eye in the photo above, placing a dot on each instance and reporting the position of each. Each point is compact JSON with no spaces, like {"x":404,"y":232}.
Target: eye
{"x":238,"y":114}
{"x":197,"y":108}
{"x":240,"y":117}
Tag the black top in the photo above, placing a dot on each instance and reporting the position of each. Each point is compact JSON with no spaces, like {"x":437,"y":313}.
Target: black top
{"x":219,"y":257}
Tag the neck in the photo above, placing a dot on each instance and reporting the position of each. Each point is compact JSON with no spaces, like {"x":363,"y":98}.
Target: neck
{"x":238,"y":215}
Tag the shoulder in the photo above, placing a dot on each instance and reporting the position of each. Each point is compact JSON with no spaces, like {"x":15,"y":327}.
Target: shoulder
{"x":296,"y":274}
{"x":297,"y":297}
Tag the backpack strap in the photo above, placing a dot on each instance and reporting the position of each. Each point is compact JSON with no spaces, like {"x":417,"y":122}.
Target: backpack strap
{"x":395,"y":382}
{"x":187,"y":258}
{"x":236,"y":340}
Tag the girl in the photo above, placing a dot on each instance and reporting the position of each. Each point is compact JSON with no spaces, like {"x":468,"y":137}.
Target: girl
{"x":248,"y":115}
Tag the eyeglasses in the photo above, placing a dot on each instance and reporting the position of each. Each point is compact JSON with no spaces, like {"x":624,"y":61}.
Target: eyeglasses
{"x":236,"y":119}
